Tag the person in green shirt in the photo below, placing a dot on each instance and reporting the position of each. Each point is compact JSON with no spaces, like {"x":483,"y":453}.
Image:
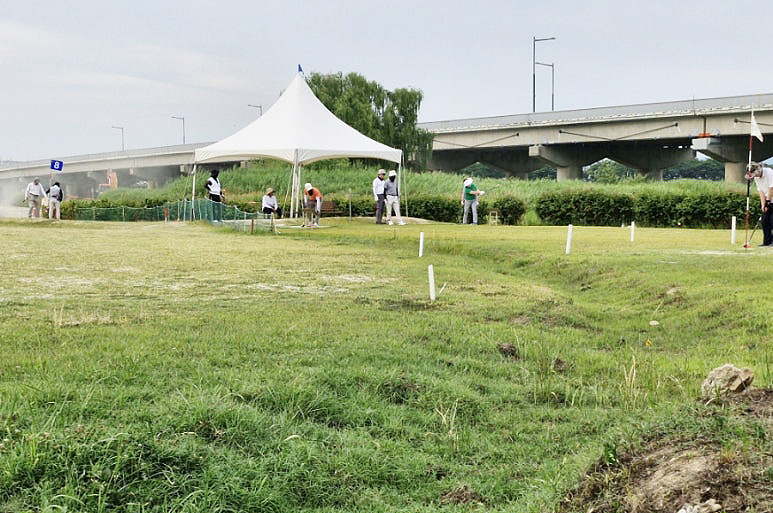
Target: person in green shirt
{"x":470,"y":195}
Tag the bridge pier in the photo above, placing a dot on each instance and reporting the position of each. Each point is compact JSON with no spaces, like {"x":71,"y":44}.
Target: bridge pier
{"x":568,"y":159}
{"x":733,"y":152}
{"x":513,"y":162}
{"x":650,"y":159}
{"x":564,"y":173}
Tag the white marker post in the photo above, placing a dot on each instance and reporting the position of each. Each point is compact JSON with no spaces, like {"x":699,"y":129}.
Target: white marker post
{"x":732,"y":230}
{"x":633,"y":227}
{"x":421,"y":244}
{"x":431,"y":272}
{"x":569,"y":239}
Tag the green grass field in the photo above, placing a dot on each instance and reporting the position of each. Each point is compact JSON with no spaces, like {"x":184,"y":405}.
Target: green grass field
{"x":172,"y":367}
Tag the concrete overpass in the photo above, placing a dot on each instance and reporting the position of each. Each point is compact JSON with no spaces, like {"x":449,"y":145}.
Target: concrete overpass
{"x":647,"y":137}
{"x":86,"y":175}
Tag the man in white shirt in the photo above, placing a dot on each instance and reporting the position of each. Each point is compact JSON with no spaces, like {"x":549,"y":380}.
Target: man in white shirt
{"x":55,"y":201}
{"x":269,"y":204}
{"x":33,"y":194}
{"x":378,"y":194}
{"x":215,"y":195}
{"x":763,"y":179}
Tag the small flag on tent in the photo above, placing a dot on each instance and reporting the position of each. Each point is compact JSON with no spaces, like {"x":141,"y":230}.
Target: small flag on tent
{"x":300,"y":70}
{"x":755,"y":130}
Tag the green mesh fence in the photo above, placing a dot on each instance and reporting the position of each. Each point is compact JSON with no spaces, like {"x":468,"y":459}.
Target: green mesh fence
{"x":200,"y":209}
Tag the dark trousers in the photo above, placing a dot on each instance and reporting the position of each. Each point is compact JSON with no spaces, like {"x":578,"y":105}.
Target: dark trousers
{"x":380,"y":208}
{"x":217,"y":207}
{"x":767,"y":225}
{"x":277,"y":213}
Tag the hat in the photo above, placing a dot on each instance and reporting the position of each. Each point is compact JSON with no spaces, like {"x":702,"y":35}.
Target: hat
{"x":307,"y":186}
{"x":392,"y":172}
{"x":381,"y":172}
{"x":269,"y":190}
{"x":467,"y":181}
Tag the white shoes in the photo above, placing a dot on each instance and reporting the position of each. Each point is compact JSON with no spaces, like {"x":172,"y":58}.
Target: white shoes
{"x":401,"y":223}
{"x":390,"y":223}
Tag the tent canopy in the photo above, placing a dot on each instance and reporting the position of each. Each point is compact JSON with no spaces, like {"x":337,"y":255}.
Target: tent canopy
{"x":299,"y":129}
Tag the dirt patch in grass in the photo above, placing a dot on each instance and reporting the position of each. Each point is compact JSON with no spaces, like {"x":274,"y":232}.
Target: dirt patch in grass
{"x":665,"y":474}
{"x":461,"y":495}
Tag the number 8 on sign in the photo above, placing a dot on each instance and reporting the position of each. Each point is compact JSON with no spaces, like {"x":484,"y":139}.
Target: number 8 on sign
{"x":57,"y":165}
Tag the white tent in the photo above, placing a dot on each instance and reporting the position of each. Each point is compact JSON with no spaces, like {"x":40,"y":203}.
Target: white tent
{"x":299,"y":129}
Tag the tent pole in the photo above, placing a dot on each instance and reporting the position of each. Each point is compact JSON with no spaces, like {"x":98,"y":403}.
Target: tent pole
{"x":403,"y":191}
{"x":193,"y":192}
{"x":292,"y":193}
{"x":300,"y":188}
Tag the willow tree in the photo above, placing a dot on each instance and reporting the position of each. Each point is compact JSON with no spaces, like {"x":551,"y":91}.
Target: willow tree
{"x":389,"y":117}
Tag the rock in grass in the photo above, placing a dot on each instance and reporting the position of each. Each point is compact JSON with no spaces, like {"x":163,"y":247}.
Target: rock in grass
{"x":725,"y":380}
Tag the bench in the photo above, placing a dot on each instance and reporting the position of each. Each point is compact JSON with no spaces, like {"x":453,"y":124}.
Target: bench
{"x":329,"y":208}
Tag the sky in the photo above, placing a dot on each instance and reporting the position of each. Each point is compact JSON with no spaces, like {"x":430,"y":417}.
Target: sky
{"x":71,"y":71}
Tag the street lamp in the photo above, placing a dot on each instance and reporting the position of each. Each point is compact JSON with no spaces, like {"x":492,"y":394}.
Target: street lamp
{"x":257,"y":107}
{"x":121,"y":129}
{"x":183,"y":120}
{"x":534,"y":70}
{"x":552,"y":67}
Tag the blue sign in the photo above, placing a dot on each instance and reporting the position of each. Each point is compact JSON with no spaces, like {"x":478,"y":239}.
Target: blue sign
{"x":57,"y":165}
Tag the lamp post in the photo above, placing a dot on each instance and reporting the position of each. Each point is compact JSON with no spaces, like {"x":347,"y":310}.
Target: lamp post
{"x":257,"y":107}
{"x":534,"y":70}
{"x":181,"y":118}
{"x":552,"y":67}
{"x":121,"y":129}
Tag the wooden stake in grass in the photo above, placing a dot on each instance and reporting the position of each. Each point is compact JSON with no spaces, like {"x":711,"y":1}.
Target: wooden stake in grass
{"x":431,"y":273}
{"x":421,"y":244}
{"x":569,"y":239}
{"x":633,"y":227}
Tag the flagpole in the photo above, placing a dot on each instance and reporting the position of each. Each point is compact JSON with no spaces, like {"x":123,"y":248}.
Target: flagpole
{"x":748,"y":186}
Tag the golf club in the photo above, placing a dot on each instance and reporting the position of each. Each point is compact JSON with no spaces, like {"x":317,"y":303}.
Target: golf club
{"x":749,"y":242}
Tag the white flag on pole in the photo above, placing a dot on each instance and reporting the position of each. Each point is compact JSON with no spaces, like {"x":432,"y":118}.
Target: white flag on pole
{"x":755,"y":130}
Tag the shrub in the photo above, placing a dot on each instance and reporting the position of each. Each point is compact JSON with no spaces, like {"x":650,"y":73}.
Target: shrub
{"x":585,"y":207}
{"x":511,"y":209}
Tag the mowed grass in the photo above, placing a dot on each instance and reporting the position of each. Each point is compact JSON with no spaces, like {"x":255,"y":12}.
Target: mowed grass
{"x":178,"y":367}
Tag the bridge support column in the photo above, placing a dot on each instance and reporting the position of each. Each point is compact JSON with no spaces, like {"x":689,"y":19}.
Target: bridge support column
{"x":733,"y":152}
{"x":568,"y":160}
{"x":651,"y":160}
{"x":734,"y":171}
{"x":564,"y":173}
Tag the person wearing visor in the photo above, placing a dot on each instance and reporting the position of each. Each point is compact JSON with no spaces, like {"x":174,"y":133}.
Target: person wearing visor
{"x":378,"y":195}
{"x":313,"y":206}
{"x":470,"y":195}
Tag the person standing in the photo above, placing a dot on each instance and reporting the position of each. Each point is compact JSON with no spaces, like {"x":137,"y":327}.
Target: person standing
{"x":470,"y":195}
{"x":378,"y":195}
{"x":55,"y":201}
{"x":269,"y":204}
{"x":763,"y":179}
{"x":313,"y":206}
{"x":34,"y":194}
{"x":215,"y":195}
{"x":392,"y":192}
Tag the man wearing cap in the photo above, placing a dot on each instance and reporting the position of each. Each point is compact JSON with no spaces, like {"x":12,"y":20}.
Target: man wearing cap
{"x":270,"y":205}
{"x":378,"y":195}
{"x":33,"y":194}
{"x":313,"y":206}
{"x":55,"y":201}
{"x":470,"y":195}
{"x":392,"y":193}
{"x":763,"y":179}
